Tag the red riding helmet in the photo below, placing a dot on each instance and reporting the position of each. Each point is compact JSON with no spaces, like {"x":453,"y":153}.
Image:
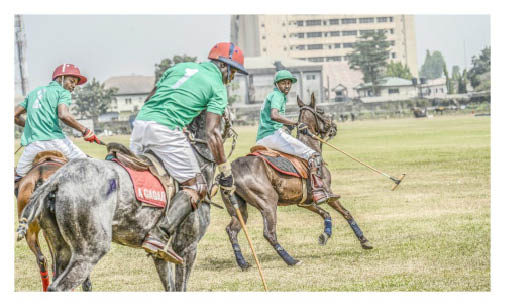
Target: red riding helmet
{"x":69,"y":69}
{"x":230,"y":54}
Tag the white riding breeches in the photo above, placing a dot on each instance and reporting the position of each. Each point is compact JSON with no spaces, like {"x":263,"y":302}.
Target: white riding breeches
{"x":64,"y":145}
{"x":169,"y":145}
{"x":282,"y":141}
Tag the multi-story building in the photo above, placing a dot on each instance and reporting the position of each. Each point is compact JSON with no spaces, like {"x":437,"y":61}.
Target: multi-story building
{"x":321,"y":38}
{"x":131,"y":94}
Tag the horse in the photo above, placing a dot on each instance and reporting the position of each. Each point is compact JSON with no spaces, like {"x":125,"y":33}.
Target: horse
{"x":258,"y":185}
{"x":90,"y":203}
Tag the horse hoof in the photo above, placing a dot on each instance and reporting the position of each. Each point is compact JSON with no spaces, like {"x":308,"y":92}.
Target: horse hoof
{"x":298,"y":262}
{"x":245,"y":268}
{"x":366,"y":245}
{"x":323,"y":238}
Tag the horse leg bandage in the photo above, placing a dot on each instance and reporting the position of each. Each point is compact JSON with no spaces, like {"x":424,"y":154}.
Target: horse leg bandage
{"x":287,"y":258}
{"x":327,"y":227}
{"x":355,"y":228}
{"x":238,"y":256}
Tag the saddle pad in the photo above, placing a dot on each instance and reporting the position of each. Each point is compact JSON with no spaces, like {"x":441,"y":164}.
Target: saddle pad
{"x":148,"y":188}
{"x":299,"y":164}
{"x":278,"y":163}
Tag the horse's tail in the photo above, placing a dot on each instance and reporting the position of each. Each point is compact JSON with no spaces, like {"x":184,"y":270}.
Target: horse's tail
{"x":33,"y":209}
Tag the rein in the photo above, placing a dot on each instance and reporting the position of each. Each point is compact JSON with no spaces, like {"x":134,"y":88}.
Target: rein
{"x":319,"y":118}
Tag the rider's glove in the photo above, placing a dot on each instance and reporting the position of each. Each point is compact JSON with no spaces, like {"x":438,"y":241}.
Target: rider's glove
{"x":290,"y":127}
{"x":225,"y":178}
{"x":89,"y":136}
{"x":303,"y":129}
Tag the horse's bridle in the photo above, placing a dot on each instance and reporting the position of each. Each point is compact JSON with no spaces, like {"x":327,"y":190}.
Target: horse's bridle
{"x":329,"y":132}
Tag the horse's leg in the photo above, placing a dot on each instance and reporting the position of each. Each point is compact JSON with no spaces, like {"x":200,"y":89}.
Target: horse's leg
{"x":164,"y":270}
{"x":32,"y":239}
{"x":323,"y":238}
{"x":269,"y":232}
{"x":335,"y":203}
{"x":184,"y":271}
{"x":86,"y":285}
{"x":234,"y":228}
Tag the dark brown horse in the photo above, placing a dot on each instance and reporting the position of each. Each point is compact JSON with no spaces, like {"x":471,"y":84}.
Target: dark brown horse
{"x":265,"y":189}
{"x":45,"y":164}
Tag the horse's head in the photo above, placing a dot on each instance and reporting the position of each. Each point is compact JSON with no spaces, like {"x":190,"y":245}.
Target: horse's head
{"x":318,"y":122}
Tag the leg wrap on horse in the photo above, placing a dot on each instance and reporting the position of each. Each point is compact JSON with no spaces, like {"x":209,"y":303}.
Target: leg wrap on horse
{"x":196,"y":188}
{"x":327,"y":227}
{"x":238,"y":256}
{"x":355,"y":228}
{"x":287,"y":258}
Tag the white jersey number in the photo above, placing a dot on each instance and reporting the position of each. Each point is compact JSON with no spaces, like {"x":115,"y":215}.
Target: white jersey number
{"x":189,"y":73}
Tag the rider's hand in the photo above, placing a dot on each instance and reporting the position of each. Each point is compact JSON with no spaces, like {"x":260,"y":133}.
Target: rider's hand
{"x":290,"y":127}
{"x":225,"y":178}
{"x":303,"y":129}
{"x":89,"y":136}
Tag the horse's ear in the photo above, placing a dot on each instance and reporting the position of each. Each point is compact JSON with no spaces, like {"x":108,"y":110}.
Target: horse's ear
{"x":299,"y":101}
{"x":312,"y":100}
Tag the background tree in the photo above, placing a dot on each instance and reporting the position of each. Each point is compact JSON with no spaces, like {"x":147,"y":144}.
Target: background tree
{"x":433,"y":66}
{"x":448,"y":82}
{"x":92,"y":100}
{"x":398,"y":70}
{"x":481,"y":70}
{"x":369,"y":55}
{"x":166,"y":63}
{"x":462,"y":82}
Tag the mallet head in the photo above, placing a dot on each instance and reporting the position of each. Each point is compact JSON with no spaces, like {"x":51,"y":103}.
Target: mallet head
{"x":397,"y":182}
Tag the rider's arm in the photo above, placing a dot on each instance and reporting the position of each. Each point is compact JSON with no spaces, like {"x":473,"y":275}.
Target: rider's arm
{"x":275,"y":116}
{"x":68,"y":119}
{"x":18,"y":119}
{"x":215,"y":141}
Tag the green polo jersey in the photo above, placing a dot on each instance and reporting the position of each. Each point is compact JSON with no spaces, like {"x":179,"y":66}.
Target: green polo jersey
{"x":41,"y":104}
{"x":267,"y":126}
{"x":183,"y":92}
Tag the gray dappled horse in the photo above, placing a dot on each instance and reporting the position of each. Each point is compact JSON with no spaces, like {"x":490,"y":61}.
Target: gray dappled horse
{"x":90,"y":203}
{"x":264,"y":188}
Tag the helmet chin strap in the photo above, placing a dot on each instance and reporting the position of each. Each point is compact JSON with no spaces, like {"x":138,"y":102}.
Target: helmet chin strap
{"x":228,"y":76}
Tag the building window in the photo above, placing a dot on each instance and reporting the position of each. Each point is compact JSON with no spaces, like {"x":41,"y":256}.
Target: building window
{"x":366,"y":20}
{"x":300,"y":35}
{"x":316,"y":59}
{"x":314,"y":34}
{"x":263,"y":37}
{"x":349,"y":33}
{"x":335,"y":33}
{"x":393,"y":54}
{"x":284,"y":36}
{"x":348,"y":20}
{"x":334,"y":59}
{"x":324,"y":22}
{"x":392,"y":43}
{"x":310,"y":76}
{"x":363,"y":32}
{"x":264,"y":49}
{"x":315,"y":46}
{"x":390,"y":19}
{"x":392,"y":31}
{"x":337,"y":45}
{"x":300,"y":47}
{"x":382,"y":19}
{"x":347,"y":45}
{"x":393,"y":90}
{"x":285,"y":48}
{"x":441,"y":90}
{"x":299,"y":23}
{"x":262,"y":25}
{"x":333,"y":21}
{"x":313,"y":22}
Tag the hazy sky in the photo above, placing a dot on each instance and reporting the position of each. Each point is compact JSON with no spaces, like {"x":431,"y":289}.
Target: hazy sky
{"x":104,"y":45}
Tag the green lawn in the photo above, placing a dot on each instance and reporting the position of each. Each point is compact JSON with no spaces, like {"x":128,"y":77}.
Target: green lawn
{"x":431,"y":234}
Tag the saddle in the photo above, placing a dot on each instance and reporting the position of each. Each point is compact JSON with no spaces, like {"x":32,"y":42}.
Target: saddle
{"x":147,"y":166}
{"x":49,"y":157}
{"x":282,"y":162}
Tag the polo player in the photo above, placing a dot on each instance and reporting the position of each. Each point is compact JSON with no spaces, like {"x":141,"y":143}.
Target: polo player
{"x":179,"y":96}
{"x":271,"y":134}
{"x":44,"y":107}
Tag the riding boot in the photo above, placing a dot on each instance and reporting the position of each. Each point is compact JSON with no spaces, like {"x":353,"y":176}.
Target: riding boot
{"x":320,"y":192}
{"x":157,"y":240}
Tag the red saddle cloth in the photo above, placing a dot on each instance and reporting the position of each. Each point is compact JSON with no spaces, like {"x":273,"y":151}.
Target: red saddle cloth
{"x":148,"y":188}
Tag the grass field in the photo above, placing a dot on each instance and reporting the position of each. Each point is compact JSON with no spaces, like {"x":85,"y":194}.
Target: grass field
{"x":432,"y":234}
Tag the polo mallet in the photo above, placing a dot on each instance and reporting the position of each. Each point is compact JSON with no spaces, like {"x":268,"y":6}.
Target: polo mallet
{"x":234,"y":202}
{"x":395,"y":180}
